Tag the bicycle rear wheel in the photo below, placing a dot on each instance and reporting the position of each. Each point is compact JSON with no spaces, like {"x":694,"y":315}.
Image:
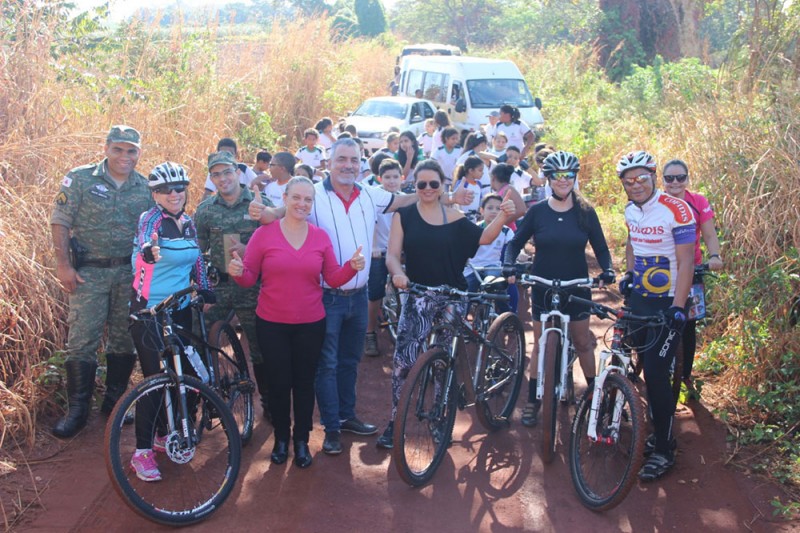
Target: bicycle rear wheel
{"x":235,"y":385}
{"x":552,"y":352}
{"x":604,"y":471}
{"x":425,"y":417}
{"x":501,"y":372}
{"x":197,"y":473}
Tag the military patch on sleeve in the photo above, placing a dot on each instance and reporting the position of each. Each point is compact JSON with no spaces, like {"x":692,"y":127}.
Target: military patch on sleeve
{"x":67,"y":181}
{"x":61,"y":198}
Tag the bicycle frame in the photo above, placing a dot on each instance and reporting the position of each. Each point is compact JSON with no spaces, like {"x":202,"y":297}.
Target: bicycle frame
{"x":562,"y":329}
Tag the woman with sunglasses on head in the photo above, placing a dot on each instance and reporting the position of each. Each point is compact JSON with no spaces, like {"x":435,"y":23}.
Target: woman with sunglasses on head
{"x":436,"y":242}
{"x":166,"y":258}
{"x":659,"y":256}
{"x":676,"y":182}
{"x":560,"y":227}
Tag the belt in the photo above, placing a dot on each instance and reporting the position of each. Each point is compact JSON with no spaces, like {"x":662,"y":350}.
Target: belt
{"x":108,"y":262}
{"x":343,"y":292}
{"x":378,"y":255}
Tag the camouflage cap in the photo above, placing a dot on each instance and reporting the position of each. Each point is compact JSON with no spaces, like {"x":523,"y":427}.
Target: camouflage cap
{"x":124,"y":134}
{"x":221,"y":158}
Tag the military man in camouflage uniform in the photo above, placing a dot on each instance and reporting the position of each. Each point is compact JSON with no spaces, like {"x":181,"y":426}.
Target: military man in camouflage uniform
{"x":96,"y":212}
{"x":224,"y":225}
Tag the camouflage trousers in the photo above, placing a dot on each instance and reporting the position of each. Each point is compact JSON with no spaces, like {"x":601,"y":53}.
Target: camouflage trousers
{"x":100,"y":302}
{"x":243,"y":302}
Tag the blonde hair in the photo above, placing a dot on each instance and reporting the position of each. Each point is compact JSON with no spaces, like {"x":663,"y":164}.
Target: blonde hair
{"x":297,"y":180}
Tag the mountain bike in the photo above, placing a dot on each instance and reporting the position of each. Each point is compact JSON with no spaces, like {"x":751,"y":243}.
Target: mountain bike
{"x":607,"y":438}
{"x":427,"y":408}
{"x":556,"y":356}
{"x":192,"y":424}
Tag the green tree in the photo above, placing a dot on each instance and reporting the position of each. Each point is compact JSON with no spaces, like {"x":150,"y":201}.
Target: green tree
{"x":459,"y":22}
{"x":371,"y":18}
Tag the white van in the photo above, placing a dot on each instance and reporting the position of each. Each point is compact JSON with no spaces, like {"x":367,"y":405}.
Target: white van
{"x":468,"y":88}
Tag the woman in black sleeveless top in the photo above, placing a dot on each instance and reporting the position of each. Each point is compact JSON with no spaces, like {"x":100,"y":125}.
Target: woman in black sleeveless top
{"x":437,"y":242}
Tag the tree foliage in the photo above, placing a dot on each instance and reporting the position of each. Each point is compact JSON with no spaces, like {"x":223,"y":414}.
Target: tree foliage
{"x":371,"y":18}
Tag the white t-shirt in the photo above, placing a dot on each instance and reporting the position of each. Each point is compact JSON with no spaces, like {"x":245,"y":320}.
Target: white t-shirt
{"x":490,"y":255}
{"x":426,"y":143}
{"x":380,"y":241}
{"x":245,"y":178}
{"x":436,"y":140}
{"x":520,"y":180}
{"x":472,"y":210}
{"x":447,"y":160}
{"x":312,"y":158}
{"x":351,"y":228}
{"x":515,"y":133}
{"x":325,"y":142}
{"x":274,"y":192}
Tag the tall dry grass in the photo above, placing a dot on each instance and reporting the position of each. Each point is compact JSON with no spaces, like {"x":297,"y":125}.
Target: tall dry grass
{"x":183,"y":91}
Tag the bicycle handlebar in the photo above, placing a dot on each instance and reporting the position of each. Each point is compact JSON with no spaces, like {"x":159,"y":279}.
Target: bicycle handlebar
{"x":419,"y":289}
{"x":530,"y":279}
{"x":169,"y":301}
{"x":609,"y":313}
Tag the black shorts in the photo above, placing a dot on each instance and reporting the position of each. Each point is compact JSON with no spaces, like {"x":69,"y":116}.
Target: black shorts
{"x":540,"y":302}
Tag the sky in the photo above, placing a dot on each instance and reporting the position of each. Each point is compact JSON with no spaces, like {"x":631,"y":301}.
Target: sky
{"x":121,"y":9}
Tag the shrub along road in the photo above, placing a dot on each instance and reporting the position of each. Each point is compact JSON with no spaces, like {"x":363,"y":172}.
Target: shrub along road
{"x":486,"y":483}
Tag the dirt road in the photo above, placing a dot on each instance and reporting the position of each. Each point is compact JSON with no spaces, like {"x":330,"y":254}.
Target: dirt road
{"x":486,"y":483}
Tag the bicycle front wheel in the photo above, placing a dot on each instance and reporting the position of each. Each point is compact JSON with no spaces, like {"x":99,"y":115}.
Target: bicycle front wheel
{"x":425,"y":417}
{"x":235,"y":385}
{"x":197,"y":473}
{"x":501,"y":372}
{"x":604,"y":471}
{"x":552,"y":351}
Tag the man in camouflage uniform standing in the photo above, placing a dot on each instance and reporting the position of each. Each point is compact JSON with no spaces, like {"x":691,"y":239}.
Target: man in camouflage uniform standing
{"x":98,"y":206}
{"x":224,"y":225}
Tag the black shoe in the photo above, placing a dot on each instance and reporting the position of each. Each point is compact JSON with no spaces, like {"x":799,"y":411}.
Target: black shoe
{"x":386,"y":441}
{"x":650,"y":445}
{"x":530,"y":414}
{"x":280,"y":452}
{"x":332,"y":444}
{"x":656,"y":466}
{"x":354,"y":425}
{"x":80,"y":385}
{"x":302,"y":456}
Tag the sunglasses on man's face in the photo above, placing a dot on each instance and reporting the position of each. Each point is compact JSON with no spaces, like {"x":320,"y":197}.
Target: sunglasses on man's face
{"x":641,"y":178}
{"x":680,"y":178}
{"x":422,"y":185}
{"x":169,"y":189}
{"x":556,"y":176}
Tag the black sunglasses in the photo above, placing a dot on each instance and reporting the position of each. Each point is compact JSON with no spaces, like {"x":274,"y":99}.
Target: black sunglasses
{"x":169,"y":189}
{"x":422,"y":185}
{"x":679,"y":177}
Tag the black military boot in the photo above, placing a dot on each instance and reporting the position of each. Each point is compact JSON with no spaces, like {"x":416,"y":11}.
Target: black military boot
{"x":260,"y":373}
{"x":80,"y":386}
{"x":118,"y":372}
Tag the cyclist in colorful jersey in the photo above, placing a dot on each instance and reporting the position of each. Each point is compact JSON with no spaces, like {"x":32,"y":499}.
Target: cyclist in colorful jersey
{"x":660,"y":261}
{"x":166,"y":257}
{"x":676,"y":181}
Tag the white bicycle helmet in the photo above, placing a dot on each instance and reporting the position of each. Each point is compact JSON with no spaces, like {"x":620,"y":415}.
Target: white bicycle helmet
{"x":560,"y":161}
{"x":637,"y":159}
{"x":167,"y":173}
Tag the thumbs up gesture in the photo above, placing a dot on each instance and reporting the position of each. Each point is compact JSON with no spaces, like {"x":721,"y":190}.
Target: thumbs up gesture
{"x":235,"y":267}
{"x":155,"y":248}
{"x":357,"y":261}
{"x":508,"y":207}
{"x":461,"y":195}
{"x":256,"y":206}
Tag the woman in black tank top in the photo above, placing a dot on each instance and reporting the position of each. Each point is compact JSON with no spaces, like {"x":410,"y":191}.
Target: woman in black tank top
{"x":437,"y":242}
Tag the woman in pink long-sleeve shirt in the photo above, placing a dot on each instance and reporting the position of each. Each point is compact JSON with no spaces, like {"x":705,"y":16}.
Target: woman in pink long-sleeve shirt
{"x":290,"y":256}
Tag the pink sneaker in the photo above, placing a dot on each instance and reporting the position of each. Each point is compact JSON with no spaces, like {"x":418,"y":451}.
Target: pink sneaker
{"x":160,"y":444}
{"x":144,"y":464}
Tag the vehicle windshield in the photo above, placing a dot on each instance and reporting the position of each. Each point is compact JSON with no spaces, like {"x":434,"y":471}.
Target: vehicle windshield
{"x":381,"y":108}
{"x":496,"y":92}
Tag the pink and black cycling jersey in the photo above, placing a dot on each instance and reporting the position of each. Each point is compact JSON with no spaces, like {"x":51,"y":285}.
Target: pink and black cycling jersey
{"x":654,"y":229}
